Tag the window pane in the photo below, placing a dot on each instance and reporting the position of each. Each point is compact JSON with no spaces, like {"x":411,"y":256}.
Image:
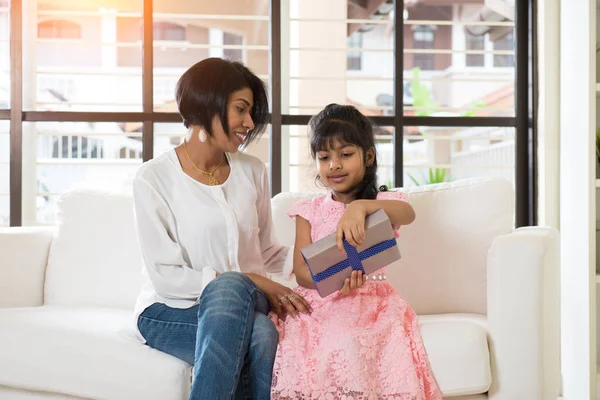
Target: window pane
{"x":299,"y":170}
{"x":335,"y":52}
{"x":67,"y":155}
{"x":75,"y":52}
{"x":442,"y":45}
{"x":228,"y":29}
{"x":169,"y":135}
{"x":4,"y":173}
{"x":4,"y":55}
{"x":507,"y":43}
{"x":440,"y":154}
{"x":475,"y":43}
{"x":59,"y":29}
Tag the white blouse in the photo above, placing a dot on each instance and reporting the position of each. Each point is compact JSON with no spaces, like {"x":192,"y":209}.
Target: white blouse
{"x":187,"y":229}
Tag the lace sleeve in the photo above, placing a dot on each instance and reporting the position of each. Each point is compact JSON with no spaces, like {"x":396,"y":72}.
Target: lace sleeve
{"x":301,"y":208}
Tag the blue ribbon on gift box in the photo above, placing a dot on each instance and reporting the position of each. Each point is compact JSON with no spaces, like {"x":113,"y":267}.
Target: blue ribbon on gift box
{"x":354,"y":259}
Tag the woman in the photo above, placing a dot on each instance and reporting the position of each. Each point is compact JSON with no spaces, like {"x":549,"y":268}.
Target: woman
{"x":204,"y":223}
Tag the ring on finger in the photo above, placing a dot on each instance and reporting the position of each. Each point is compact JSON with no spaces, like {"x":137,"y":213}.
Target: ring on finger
{"x":291,"y":297}
{"x":282,"y":298}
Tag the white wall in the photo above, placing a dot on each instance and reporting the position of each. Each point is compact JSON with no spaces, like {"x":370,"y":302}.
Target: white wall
{"x":577,"y":196}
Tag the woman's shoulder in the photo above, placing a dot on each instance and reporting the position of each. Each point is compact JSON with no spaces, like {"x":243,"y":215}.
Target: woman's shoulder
{"x":153,"y":169}
{"x":251,"y":167}
{"x":248,"y":161}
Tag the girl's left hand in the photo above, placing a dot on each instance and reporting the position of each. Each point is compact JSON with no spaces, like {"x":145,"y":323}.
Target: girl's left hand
{"x":356,"y":280}
{"x":352,"y":226}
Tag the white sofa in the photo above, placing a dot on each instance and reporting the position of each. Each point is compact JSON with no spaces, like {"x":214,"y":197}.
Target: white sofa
{"x":487,"y":296}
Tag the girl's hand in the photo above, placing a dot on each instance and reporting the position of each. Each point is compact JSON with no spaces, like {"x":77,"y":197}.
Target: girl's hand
{"x":352,"y":225}
{"x":356,"y":280}
{"x":281,"y":298}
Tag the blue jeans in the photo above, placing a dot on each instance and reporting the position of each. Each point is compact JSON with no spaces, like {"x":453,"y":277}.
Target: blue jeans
{"x":227,"y":337}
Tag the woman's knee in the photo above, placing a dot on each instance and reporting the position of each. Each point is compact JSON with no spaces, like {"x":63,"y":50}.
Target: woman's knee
{"x":264,"y":333}
{"x":228,"y":283}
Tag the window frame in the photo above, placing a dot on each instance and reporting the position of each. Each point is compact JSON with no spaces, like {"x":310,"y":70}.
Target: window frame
{"x":524,"y":120}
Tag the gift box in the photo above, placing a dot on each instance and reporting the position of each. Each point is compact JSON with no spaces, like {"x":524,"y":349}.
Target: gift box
{"x":329,"y":267}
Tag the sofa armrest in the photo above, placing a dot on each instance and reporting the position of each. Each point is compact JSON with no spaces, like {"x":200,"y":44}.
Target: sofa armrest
{"x":23,"y":265}
{"x":523,"y":292}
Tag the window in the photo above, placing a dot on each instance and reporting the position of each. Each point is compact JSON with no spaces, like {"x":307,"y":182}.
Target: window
{"x":424,"y":38}
{"x":59,"y":29}
{"x":76,"y":147}
{"x":4,"y":173}
{"x":506,"y":43}
{"x":354,"y":60}
{"x":99,"y":79}
{"x":475,"y":43}
{"x":236,"y":40}
{"x":4,"y":56}
{"x":168,"y":31}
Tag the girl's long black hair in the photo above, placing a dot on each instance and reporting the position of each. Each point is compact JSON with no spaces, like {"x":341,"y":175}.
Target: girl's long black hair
{"x":346,"y":123}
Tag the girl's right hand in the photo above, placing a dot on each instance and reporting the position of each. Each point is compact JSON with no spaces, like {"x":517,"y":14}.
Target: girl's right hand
{"x":356,"y":280}
{"x":281,"y":298}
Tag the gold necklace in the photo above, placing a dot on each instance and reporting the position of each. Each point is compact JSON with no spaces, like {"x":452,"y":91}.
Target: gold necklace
{"x":212,"y":181}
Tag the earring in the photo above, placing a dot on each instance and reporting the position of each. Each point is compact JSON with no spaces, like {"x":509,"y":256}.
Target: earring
{"x":202,"y":136}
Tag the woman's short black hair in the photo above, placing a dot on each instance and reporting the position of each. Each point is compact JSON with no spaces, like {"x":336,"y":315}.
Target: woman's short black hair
{"x":203,"y":92}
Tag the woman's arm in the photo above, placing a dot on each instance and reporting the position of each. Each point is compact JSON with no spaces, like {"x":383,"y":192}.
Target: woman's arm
{"x":273,"y":253}
{"x":303,"y":239}
{"x":163,"y":257}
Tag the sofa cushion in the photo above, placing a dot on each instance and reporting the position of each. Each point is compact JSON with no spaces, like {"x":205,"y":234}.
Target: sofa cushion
{"x":458,"y":352}
{"x":77,"y":351}
{"x":84,"y":352}
{"x":95,"y":258}
{"x":445,"y":249}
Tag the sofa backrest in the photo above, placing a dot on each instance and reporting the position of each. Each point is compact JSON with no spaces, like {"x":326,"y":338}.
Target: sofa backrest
{"x":444,"y":252}
{"x":95,"y":257}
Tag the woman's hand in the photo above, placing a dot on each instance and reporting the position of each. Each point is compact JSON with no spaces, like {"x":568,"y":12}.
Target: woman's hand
{"x":352,"y":226}
{"x":281,"y":298}
{"x":355,"y":281}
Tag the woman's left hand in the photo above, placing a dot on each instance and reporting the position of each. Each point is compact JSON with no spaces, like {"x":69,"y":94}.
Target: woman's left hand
{"x":281,"y":298}
{"x":352,"y":226}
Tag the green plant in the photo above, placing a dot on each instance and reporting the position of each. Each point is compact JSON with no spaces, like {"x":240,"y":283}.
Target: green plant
{"x":421,"y":95}
{"x":470,"y":111}
{"x":423,"y":100}
{"x":436,"y":175}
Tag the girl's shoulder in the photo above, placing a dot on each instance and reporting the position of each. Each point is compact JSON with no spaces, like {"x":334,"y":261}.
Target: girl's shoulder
{"x":306,"y":207}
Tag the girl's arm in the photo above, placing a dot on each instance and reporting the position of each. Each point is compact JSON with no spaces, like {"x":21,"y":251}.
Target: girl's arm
{"x":352,"y":224}
{"x":303,"y":239}
{"x":399,"y":212}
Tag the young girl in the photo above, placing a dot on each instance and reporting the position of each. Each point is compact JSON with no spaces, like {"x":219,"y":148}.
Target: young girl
{"x":362,"y":342}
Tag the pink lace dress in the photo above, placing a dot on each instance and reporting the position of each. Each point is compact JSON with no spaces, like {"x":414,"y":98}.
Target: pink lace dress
{"x":365,"y":345}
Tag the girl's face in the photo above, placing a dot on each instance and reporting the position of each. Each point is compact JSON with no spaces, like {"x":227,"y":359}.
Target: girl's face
{"x":342,"y":167}
{"x":240,"y":122}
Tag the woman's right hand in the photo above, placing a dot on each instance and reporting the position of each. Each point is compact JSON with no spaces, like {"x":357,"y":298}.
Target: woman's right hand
{"x":281,"y":298}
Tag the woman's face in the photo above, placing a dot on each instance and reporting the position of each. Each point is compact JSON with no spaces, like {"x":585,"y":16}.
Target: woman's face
{"x":239,"y":106}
